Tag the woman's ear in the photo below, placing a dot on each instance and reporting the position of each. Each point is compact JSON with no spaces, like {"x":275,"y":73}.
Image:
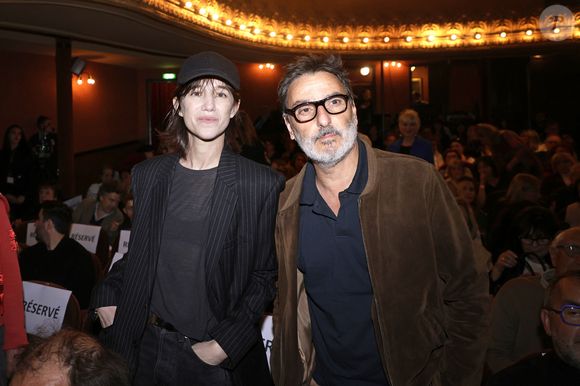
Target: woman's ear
{"x":176,"y":106}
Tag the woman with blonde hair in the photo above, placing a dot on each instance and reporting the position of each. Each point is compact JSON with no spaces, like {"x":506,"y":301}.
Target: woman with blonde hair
{"x":410,"y":142}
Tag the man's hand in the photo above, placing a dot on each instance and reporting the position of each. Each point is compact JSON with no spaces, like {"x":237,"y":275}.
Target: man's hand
{"x":209,"y":352}
{"x":106,"y":315}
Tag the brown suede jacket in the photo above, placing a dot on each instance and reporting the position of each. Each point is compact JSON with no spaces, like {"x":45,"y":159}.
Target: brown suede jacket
{"x":431,"y":307}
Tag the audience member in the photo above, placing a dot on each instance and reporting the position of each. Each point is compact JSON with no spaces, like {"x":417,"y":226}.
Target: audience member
{"x":516,"y":329}
{"x":15,"y":172}
{"x":104,"y":211}
{"x":560,"y":317}
{"x":523,"y":191}
{"x":410,"y":143}
{"x":70,"y":358}
{"x":12,"y":332}
{"x":107,"y":177}
{"x":528,"y":239}
{"x":43,"y":144}
{"x":56,"y":258}
{"x":243,"y":139}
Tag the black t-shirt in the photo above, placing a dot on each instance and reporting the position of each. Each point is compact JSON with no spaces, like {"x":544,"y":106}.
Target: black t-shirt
{"x":179,"y":293}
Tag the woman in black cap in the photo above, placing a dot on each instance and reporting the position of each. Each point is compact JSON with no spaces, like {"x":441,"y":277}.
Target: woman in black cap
{"x":183,"y":305}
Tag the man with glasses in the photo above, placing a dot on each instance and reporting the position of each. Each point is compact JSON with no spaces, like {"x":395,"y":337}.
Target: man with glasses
{"x":560,"y":317}
{"x":515,"y":327}
{"x":377,"y":282}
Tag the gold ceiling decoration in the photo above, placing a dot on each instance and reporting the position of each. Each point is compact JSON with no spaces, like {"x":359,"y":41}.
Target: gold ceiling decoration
{"x":253,"y":28}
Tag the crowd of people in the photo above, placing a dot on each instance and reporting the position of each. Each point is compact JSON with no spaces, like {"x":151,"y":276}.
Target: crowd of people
{"x":510,"y":199}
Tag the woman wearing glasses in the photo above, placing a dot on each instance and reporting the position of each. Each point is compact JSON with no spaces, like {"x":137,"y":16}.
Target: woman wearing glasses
{"x":531,"y":233}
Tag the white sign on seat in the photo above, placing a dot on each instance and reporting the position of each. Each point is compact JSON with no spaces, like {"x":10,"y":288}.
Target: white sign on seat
{"x":116,"y":257}
{"x":124,"y":241}
{"x":86,"y":235}
{"x":31,"y":234}
{"x":44,"y":308}
{"x":73,"y":202}
{"x":267,"y":335}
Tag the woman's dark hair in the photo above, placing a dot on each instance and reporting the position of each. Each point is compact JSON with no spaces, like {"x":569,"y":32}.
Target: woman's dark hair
{"x":534,"y":222}
{"x":6,"y":144}
{"x":176,"y":133}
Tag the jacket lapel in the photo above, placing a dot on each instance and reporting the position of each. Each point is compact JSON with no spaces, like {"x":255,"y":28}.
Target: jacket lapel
{"x":159,"y":199}
{"x":225,"y":197}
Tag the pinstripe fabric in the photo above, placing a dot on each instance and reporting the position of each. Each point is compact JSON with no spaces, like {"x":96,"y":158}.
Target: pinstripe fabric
{"x":240,"y":262}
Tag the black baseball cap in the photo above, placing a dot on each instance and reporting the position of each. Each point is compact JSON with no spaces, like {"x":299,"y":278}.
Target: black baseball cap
{"x":209,"y":64}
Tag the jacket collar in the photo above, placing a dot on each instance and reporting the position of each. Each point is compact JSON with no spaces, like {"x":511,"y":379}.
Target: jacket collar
{"x":296,"y":183}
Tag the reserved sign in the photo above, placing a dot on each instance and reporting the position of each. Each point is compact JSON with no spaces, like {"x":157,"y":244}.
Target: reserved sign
{"x":44,"y":308}
{"x":86,"y":235}
{"x":267,"y":335}
{"x":124,"y":241}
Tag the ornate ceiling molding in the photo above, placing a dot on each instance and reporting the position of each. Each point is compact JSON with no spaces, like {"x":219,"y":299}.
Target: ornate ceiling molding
{"x":229,"y":23}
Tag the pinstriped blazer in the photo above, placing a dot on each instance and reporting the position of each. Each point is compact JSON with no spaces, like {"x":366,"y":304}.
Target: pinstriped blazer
{"x":240,"y":260}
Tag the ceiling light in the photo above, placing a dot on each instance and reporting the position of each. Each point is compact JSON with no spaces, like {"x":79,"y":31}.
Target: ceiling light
{"x":307,"y":38}
{"x":345,"y":39}
{"x":91,"y":80}
{"x":188,"y":4}
{"x":242,"y":27}
{"x":399,"y":65}
{"x":556,"y":30}
{"x":229,"y":22}
{"x":453,"y":37}
{"x":393,"y":64}
{"x":478,"y":36}
{"x":272,"y":34}
{"x":215,"y":16}
{"x":289,"y":37}
{"x":80,"y":80}
{"x":413,"y":68}
{"x":365,"y":40}
{"x":203,"y":11}
{"x":408,"y":39}
{"x":529,"y":32}
{"x":386,"y":64}
{"x":261,"y":66}
{"x":256,"y":31}
{"x":326,"y":39}
{"x":503,"y":34}
{"x":431,"y":38}
{"x":386,"y":39}
{"x":364,"y":71}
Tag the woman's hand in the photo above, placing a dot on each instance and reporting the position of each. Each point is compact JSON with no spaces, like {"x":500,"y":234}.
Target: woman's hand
{"x":507,"y":259}
{"x":210,"y":352}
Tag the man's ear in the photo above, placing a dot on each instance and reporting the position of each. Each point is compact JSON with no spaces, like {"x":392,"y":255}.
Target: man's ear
{"x":176,"y":106}
{"x":49,"y":225}
{"x":545,"y":317}
{"x":289,"y":127}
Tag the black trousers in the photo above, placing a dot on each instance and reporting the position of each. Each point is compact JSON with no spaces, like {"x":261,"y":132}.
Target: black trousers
{"x":167,"y":359}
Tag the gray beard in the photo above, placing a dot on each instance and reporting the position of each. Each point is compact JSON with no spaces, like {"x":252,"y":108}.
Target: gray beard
{"x":330,"y":159}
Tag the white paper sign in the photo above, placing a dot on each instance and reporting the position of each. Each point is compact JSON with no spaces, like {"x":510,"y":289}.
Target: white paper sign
{"x":73,"y":202}
{"x":31,"y":234}
{"x":44,"y":308}
{"x":124,"y":241}
{"x":86,"y":235}
{"x":267,"y":335}
{"x":116,"y":257}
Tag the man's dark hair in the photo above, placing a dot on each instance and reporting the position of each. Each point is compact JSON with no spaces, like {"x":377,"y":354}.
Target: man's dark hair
{"x":310,"y":64}
{"x":40,"y":120}
{"x":176,"y":133}
{"x":109,"y":187}
{"x":59,"y":214}
{"x":80,"y":356}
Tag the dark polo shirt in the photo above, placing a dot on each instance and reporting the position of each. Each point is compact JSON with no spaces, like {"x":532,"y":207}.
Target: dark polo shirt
{"x":333,"y":260}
